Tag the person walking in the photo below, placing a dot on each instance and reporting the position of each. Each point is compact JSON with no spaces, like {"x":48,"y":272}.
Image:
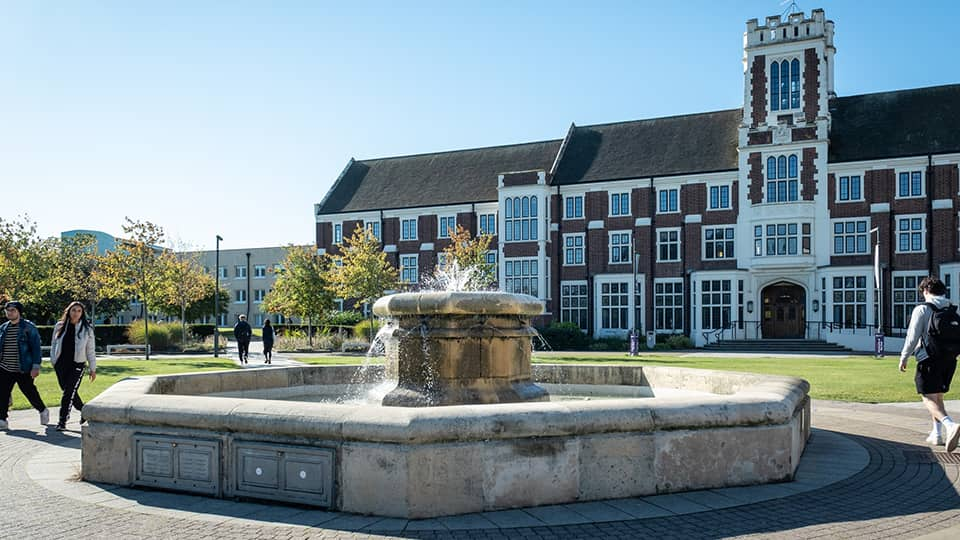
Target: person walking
{"x":19,"y":362}
{"x":71,"y":349}
{"x":934,"y":371}
{"x":242,"y":332}
{"x":268,"y":336}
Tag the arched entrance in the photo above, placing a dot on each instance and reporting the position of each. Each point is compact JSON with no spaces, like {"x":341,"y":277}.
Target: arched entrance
{"x":784,"y":311}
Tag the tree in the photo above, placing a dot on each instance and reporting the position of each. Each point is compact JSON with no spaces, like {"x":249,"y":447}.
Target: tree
{"x":183,"y":283}
{"x":27,"y":263}
{"x":464,"y":263}
{"x":301,"y":288}
{"x":204,"y":306}
{"x":133,"y":268}
{"x":362,"y":271}
{"x":78,"y":278}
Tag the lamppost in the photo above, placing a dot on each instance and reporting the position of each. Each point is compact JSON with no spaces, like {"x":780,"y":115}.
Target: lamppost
{"x":216,"y":305}
{"x":878,"y":344}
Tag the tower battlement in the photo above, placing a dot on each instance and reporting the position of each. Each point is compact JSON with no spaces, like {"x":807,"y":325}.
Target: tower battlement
{"x":795,"y":27}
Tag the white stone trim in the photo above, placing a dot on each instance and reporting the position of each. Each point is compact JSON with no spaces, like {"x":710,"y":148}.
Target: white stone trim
{"x":879,"y":208}
{"x":554,"y":227}
{"x":942,"y":204}
{"x":642,"y":222}
{"x":426,"y":246}
{"x":693,"y":218}
{"x":390,"y":248}
{"x":595,"y":224}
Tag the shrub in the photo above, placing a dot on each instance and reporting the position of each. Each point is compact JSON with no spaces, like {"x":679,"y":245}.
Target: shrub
{"x":362,"y":330}
{"x":678,"y":341}
{"x":162,"y":335}
{"x":355,"y":345}
{"x":608,"y":344}
{"x":343,"y":318}
{"x":200,"y":331}
{"x":564,"y":336}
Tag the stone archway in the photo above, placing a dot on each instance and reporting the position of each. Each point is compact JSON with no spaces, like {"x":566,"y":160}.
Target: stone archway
{"x":784,"y":311}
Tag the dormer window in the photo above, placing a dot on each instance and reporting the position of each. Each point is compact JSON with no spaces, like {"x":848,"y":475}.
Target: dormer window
{"x":785,"y":85}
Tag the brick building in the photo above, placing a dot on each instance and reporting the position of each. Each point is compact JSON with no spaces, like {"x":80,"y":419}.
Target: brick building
{"x":756,"y":222}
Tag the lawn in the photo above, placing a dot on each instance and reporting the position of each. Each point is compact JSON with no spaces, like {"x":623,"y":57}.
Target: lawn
{"x":845,"y":378}
{"x":861,"y":379}
{"x":110,"y":371}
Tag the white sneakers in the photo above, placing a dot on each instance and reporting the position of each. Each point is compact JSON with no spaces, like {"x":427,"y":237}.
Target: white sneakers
{"x":44,"y":417}
{"x":934,"y":439}
{"x":951,"y":436}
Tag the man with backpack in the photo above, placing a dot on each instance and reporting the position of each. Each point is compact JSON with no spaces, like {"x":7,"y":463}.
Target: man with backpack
{"x":934,"y":338}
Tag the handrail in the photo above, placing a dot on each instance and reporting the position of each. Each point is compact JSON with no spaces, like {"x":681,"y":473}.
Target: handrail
{"x":813,"y":329}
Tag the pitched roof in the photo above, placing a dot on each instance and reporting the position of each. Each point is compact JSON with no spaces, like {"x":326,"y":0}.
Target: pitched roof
{"x":462,"y":176}
{"x":895,"y":124}
{"x":692,"y":143}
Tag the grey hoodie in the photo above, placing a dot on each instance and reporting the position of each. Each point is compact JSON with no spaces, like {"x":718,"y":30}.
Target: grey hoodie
{"x":917,"y":333}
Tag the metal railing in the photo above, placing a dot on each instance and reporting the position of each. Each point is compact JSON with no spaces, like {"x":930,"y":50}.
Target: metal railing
{"x":752,"y":329}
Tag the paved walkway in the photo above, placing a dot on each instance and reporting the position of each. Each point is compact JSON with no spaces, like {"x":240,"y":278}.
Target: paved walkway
{"x":865,"y":474}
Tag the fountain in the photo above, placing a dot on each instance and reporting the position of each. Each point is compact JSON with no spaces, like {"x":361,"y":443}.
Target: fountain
{"x":456,"y":348}
{"x":466,"y":429}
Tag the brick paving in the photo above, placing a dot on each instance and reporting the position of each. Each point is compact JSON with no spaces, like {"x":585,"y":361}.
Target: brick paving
{"x":866,"y":474}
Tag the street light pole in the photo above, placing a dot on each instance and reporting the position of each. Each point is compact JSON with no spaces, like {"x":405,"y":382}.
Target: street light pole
{"x":878,"y":281}
{"x":216,"y":305}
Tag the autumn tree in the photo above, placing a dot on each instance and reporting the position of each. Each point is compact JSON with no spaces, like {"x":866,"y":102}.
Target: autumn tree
{"x":27,"y":263}
{"x":301,"y":288}
{"x":361,"y":271}
{"x":183,"y":282}
{"x":134,"y":267}
{"x":77,"y":277}
{"x":205,"y":305}
{"x":463,"y":263}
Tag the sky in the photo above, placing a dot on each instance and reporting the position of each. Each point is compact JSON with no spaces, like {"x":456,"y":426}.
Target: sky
{"x":233,"y":117}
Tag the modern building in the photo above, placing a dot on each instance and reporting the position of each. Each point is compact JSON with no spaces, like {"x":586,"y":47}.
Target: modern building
{"x":104,"y":242}
{"x":249,"y":274}
{"x":761,"y":221}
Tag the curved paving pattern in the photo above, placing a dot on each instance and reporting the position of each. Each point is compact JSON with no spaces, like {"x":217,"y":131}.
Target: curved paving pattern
{"x":865,"y":474}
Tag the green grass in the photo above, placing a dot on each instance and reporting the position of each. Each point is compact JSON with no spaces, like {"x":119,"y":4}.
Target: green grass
{"x":111,"y":371}
{"x":862,"y":379}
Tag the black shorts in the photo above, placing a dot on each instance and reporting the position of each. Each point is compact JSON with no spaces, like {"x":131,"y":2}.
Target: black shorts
{"x":934,"y":375}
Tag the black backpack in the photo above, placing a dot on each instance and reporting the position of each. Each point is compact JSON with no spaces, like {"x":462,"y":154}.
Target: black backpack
{"x":943,"y":332}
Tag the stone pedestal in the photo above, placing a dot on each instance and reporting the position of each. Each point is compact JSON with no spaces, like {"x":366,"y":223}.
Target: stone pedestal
{"x":457,"y":348}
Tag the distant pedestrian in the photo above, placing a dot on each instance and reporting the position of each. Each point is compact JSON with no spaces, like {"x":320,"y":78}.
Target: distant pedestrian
{"x":268,"y":338}
{"x":242,"y":332}
{"x":934,"y":369}
{"x":19,"y":362}
{"x":71,"y":349}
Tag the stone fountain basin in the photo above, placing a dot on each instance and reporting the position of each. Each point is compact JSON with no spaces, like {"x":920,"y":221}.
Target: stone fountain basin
{"x":425,"y":462}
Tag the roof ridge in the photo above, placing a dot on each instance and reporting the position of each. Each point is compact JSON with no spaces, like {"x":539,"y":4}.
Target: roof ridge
{"x":460,"y":150}
{"x":704,"y":113}
{"x":901,"y":91}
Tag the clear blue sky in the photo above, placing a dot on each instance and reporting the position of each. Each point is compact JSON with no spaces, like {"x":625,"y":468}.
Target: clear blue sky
{"x":235,"y":117}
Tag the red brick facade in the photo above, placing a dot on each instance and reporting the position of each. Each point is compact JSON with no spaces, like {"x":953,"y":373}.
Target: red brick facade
{"x":808,"y":174}
{"x":758,"y":90}
{"x":811,"y":85}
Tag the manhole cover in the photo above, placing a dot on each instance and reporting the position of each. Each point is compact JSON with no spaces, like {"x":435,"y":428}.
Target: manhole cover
{"x":928,"y":456}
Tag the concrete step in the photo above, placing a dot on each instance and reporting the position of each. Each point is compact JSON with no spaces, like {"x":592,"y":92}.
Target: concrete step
{"x":814,"y":346}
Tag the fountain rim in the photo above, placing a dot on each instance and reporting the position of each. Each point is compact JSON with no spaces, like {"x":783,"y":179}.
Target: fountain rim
{"x":458,"y":303}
